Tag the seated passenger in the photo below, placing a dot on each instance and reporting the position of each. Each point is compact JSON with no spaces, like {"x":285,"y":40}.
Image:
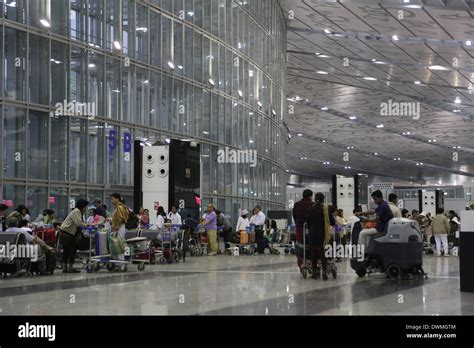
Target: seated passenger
{"x":16,"y":226}
{"x":384,"y":215}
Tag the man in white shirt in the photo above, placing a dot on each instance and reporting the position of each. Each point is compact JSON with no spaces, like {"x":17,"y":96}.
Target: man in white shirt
{"x":259,"y":228}
{"x":174,"y":216}
{"x":392,"y":203}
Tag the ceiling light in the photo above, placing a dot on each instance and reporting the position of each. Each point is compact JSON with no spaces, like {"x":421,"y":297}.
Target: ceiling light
{"x":259,"y":103}
{"x":168,"y":140}
{"x":380,"y":126}
{"x":468,"y":43}
{"x":117,"y":45}
{"x":300,"y":135}
{"x":395,"y":38}
{"x":91,"y":65}
{"x":322,"y":72}
{"x":413,"y":6}
{"x":457,"y":100}
{"x":406,"y":1}
{"x":324,"y":108}
{"x":324,"y":56}
{"x":376,"y":154}
{"x":171,"y":65}
{"x":368,"y":78}
{"x":205,"y":132}
{"x":190,"y":13}
{"x":146,"y":82}
{"x":456,"y":110}
{"x":251,"y":73}
{"x":379,"y":62}
{"x":374,"y":60}
{"x":323,"y":141}
{"x":437,"y":67}
{"x":142,"y":29}
{"x":327,"y":31}
{"x":180,"y":67}
{"x":12,"y":4}
{"x":274,"y":114}
{"x":417,"y":83}
{"x":352,"y":117}
{"x":45,"y":23}
{"x":115,"y":91}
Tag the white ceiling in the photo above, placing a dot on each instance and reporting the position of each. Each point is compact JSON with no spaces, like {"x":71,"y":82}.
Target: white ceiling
{"x":433,"y":33}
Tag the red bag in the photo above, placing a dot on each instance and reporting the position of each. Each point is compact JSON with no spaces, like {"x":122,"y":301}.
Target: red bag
{"x":48,"y":235}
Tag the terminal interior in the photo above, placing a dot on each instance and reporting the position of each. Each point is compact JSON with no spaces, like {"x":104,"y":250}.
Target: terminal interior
{"x":238,"y":104}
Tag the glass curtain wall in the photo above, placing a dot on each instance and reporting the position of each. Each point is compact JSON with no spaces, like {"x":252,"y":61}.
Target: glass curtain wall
{"x":84,"y":78}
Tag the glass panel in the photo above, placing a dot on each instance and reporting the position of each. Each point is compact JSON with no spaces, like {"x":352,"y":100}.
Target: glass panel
{"x":96,"y":21}
{"x":142,"y":33}
{"x":78,"y":75}
{"x":96,"y":157}
{"x":13,"y":196}
{"x":58,"y":201}
{"x":153,"y":112}
{"x":38,"y":70}
{"x":36,"y":200}
{"x":128,"y":21}
{"x":113,"y":78}
{"x":178,"y":48}
{"x":142,"y":91}
{"x":59,"y":71}
{"x":128,"y":89}
{"x":167,"y":49}
{"x":113,"y":25}
{"x":77,"y":18}
{"x":155,"y":38}
{"x":38,"y":145}
{"x":39,"y":13}
{"x":15,"y":64}
{"x":59,"y":17}
{"x":59,"y":148}
{"x":79,"y":158}
{"x":96,"y":84}
{"x":14,"y":140}
{"x":15,"y":10}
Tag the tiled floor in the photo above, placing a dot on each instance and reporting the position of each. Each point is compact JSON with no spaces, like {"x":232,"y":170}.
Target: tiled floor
{"x":244,"y":285}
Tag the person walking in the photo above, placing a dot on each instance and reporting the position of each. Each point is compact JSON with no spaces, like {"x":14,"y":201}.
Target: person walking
{"x":70,"y":234}
{"x":300,"y":215}
{"x":211,"y":229}
{"x":319,"y":221}
{"x":440,"y":229}
{"x":119,"y":219}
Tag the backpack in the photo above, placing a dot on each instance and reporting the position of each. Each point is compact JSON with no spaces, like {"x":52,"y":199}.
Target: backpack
{"x":132,"y":221}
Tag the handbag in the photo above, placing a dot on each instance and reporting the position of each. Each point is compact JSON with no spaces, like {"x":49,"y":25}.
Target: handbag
{"x":116,"y":244}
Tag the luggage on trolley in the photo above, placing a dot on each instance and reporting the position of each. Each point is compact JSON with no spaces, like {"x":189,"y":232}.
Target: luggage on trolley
{"x":169,"y":244}
{"x":247,"y":244}
{"x":288,"y":239}
{"x":303,"y":251}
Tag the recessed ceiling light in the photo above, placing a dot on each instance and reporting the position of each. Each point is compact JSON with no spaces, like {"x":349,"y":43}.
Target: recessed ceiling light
{"x":322,"y":72}
{"x":374,"y":60}
{"x":180,"y":67}
{"x":437,"y":67}
{"x":211,"y":82}
{"x":327,"y":31}
{"x":376,"y":154}
{"x":324,"y":56}
{"x":368,"y":78}
{"x":468,"y":43}
{"x":457,"y":100}
{"x":379,"y":62}
{"x":324,"y":108}
{"x":300,"y":135}
{"x":352,"y":117}
{"x":380,"y":126}
{"x":395,"y":38}
{"x":117,"y":45}
{"x":456,"y":110}
{"x":417,"y":83}
{"x":45,"y":23}
{"x":259,"y":103}
{"x":91,"y":65}
{"x":240,"y":93}
{"x":323,"y":141}
{"x":142,"y":29}
{"x":413,"y":6}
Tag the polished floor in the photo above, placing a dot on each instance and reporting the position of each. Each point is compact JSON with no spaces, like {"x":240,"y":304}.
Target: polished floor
{"x":244,"y":285}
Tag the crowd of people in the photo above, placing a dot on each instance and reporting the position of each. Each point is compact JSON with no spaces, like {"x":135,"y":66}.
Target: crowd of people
{"x":325,"y":222}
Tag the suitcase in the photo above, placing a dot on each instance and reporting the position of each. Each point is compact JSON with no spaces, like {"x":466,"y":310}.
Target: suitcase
{"x":244,"y":237}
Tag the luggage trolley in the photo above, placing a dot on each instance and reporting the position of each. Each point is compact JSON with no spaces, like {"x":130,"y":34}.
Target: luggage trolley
{"x":169,"y":244}
{"x":303,"y":251}
{"x":247,"y":244}
{"x":288,"y":238}
{"x":198,"y":245}
{"x":98,"y":254}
